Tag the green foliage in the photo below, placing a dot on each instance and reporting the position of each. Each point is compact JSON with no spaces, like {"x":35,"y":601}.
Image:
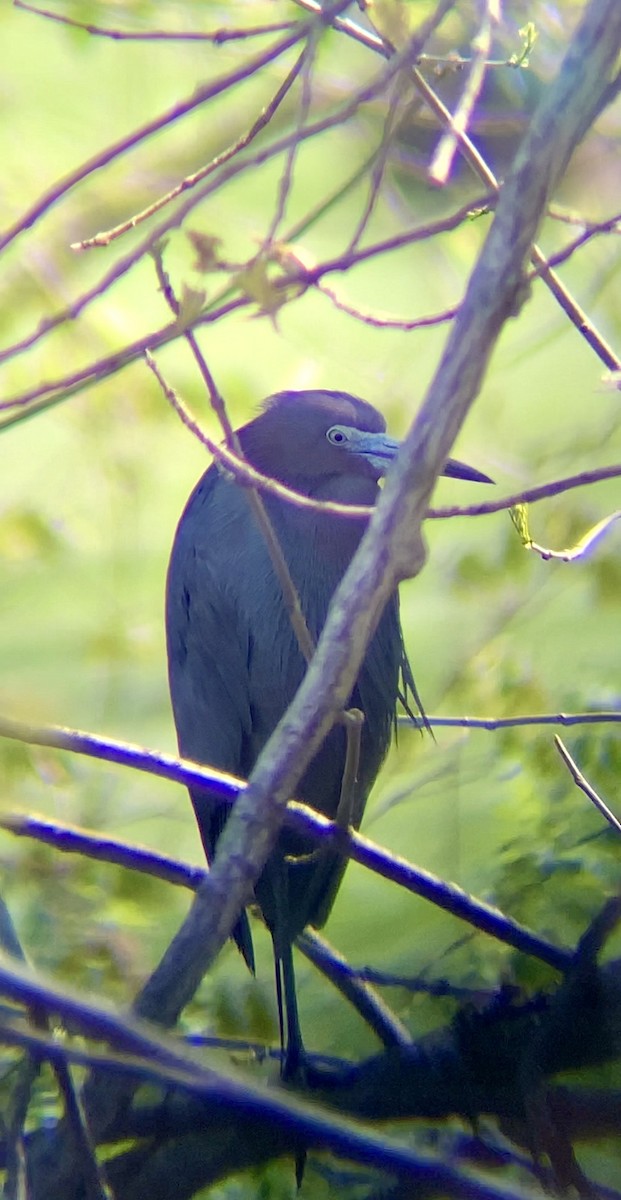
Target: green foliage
{"x":91,"y":489}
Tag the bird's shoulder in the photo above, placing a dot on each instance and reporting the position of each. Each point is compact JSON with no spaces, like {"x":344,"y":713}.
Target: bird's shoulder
{"x":221,"y":592}
{"x":217,"y":544}
{"x":207,"y":639}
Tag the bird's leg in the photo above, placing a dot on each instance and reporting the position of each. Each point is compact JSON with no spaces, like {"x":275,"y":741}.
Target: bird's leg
{"x":280,"y":1006}
{"x":353,"y":720}
{"x":293,"y":1064}
{"x":294,"y":1056}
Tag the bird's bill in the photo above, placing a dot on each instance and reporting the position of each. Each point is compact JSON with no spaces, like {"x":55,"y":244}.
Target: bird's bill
{"x":459,"y":470}
{"x":379,"y":450}
{"x":376,"y":448}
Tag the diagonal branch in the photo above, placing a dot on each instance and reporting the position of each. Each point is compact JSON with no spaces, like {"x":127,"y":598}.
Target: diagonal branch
{"x":392,"y":548}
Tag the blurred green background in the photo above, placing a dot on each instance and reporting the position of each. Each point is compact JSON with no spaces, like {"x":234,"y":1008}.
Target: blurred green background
{"x":90,"y":492}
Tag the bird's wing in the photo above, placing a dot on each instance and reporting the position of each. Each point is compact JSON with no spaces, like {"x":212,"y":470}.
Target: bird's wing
{"x":207,"y":663}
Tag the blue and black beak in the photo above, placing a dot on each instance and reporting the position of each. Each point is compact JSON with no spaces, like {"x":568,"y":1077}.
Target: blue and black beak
{"x":459,"y":470}
{"x":379,"y":450}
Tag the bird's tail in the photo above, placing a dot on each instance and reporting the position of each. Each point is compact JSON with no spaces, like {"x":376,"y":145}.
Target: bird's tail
{"x":408,"y":688}
{"x":243,"y":940}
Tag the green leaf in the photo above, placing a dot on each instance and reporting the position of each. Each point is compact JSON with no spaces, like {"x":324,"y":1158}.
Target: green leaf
{"x":519,"y":516}
{"x":191,"y":305}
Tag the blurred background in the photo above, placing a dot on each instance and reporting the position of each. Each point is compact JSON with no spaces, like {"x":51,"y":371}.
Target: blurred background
{"x":92,"y":486}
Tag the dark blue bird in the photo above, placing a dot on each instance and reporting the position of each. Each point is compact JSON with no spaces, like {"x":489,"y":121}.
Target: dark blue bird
{"x":234,"y":662}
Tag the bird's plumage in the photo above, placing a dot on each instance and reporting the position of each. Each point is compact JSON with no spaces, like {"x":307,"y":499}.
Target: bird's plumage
{"x":234,"y":662}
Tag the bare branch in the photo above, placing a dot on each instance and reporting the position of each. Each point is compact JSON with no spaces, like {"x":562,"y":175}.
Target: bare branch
{"x":229,"y":172}
{"x":530,"y":719}
{"x":392,"y":549}
{"x":141,"y":1054}
{"x":117,"y":149}
{"x":190,"y":181}
{"x":255,"y":501}
{"x":582,"y":782}
{"x":441,"y":165}
{"x":217,"y":36}
{"x":165,"y":994}
{"x":480,"y":168}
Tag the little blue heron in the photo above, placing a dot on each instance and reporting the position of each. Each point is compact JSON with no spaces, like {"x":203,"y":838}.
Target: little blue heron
{"x":233,"y":658}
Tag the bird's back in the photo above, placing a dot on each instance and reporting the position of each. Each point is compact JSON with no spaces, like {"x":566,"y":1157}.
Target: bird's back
{"x":234,"y":667}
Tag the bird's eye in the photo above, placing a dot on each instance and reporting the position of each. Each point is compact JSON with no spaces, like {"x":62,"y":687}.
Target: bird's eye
{"x":336,"y":435}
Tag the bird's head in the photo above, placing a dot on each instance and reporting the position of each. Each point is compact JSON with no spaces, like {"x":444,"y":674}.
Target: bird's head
{"x":304,"y":439}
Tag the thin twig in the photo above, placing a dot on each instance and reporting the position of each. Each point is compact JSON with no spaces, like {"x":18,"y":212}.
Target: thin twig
{"x":580,"y":549}
{"x":530,"y":719}
{"x":21,"y":1095}
{"x":217,"y":36}
{"x":567,"y":216}
{"x":299,"y":275}
{"x":543,"y":491}
{"x":190,"y":181}
{"x":197,"y":196}
{"x":244,"y":471}
{"x":582,"y":782}
{"x":596,"y":229}
{"x":257,"y":507}
{"x":199,"y":96}
{"x":379,"y":320}
{"x":562,"y":294}
{"x":379,"y":165}
{"x":285,"y":183}
{"x":438,"y":988}
{"x":442,"y":161}
{"x":477,"y":163}
{"x":358,"y":991}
